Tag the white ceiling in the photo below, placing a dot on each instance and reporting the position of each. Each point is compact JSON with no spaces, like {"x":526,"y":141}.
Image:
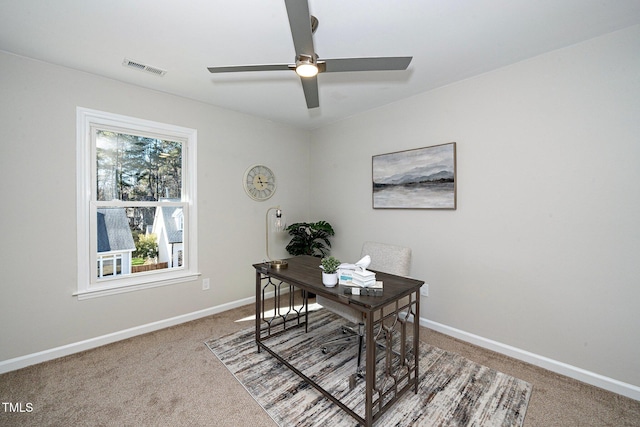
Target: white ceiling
{"x":449,"y":40}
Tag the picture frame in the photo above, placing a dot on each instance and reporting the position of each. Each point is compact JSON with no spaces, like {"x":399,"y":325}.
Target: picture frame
{"x":421,"y":178}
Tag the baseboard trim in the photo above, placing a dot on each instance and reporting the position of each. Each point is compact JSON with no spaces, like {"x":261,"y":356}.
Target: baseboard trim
{"x":570,"y":371}
{"x":588,"y":377}
{"x":66,"y":350}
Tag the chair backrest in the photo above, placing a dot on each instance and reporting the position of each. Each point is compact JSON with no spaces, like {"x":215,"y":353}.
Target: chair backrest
{"x":388,"y":258}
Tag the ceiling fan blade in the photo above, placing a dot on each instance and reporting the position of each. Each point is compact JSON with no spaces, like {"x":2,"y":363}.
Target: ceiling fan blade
{"x":367,"y":64}
{"x":310,"y":87}
{"x":300,"y":23}
{"x":237,"y":68}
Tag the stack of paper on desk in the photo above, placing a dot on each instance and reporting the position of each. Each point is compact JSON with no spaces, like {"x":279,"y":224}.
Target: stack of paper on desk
{"x":363,"y":278}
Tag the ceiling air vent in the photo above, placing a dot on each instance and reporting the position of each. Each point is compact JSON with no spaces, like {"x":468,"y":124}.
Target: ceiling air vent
{"x":142,"y":67}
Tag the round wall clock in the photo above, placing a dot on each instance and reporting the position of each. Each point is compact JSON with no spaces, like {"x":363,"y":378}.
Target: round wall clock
{"x":259,"y":182}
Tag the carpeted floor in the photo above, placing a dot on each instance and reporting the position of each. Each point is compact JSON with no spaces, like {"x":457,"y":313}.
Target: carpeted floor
{"x":453,"y":391}
{"x":169,"y":378}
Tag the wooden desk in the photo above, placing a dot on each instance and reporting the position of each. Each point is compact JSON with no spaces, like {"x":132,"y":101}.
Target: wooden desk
{"x":387,"y":318}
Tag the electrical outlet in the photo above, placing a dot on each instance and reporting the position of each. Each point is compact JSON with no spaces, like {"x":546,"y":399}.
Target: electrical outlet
{"x":205,"y":284}
{"x":424,"y":290}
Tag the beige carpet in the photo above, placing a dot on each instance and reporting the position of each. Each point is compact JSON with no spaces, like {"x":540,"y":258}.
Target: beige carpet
{"x":169,"y":378}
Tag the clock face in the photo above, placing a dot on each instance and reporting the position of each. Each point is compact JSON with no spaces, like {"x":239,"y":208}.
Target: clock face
{"x":259,"y":182}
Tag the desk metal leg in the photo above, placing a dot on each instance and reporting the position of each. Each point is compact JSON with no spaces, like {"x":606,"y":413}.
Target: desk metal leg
{"x":305,"y":299}
{"x":416,"y":341}
{"x":370,"y":370}
{"x":282,"y":316}
{"x":258,"y":307}
{"x":398,"y":366}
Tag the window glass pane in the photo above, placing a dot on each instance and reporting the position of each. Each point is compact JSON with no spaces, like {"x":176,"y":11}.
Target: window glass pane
{"x":136,"y":168}
{"x":138,"y":239}
{"x":105,"y":265}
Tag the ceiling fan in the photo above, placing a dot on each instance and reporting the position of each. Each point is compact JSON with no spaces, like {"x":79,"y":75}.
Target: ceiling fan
{"x":307,"y":64}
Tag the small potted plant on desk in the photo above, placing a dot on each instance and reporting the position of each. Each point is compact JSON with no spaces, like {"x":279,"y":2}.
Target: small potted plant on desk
{"x":330,"y":271}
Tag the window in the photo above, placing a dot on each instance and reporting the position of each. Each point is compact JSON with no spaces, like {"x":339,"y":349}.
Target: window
{"x":136,"y":204}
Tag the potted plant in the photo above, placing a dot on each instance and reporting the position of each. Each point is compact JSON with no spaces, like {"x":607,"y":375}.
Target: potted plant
{"x":310,"y":238}
{"x":330,"y":271}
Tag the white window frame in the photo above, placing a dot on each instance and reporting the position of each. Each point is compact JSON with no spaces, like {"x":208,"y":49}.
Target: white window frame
{"x":89,"y":285}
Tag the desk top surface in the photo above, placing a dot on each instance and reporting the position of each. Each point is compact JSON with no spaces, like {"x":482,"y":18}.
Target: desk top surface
{"x":305,"y":272}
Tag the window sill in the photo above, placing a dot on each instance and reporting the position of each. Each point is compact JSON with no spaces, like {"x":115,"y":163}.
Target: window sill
{"x":103,"y":291}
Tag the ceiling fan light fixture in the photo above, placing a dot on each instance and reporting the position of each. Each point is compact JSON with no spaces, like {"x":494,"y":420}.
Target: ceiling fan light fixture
{"x":305,"y":67}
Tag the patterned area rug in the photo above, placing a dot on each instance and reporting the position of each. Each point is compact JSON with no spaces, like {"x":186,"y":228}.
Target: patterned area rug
{"x":453,"y":391}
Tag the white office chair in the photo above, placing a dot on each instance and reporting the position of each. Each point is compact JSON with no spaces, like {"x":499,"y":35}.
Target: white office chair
{"x":386,"y":258}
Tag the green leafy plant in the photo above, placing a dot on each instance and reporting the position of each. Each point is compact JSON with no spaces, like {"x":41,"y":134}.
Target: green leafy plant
{"x":330,"y":265}
{"x":146,"y":246}
{"x":310,"y":238}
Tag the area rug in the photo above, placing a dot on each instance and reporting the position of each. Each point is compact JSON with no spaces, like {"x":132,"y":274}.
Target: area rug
{"x":453,"y":390}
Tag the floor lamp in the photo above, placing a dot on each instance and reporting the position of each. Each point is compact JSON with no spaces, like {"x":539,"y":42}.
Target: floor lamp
{"x":278,"y":225}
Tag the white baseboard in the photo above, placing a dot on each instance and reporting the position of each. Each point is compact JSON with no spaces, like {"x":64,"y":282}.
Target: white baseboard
{"x":579,"y":374}
{"x":65,"y":350}
{"x":610,"y":384}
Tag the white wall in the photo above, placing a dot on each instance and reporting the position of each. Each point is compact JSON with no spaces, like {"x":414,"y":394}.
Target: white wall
{"x":543,"y":252}
{"x":38,"y":227}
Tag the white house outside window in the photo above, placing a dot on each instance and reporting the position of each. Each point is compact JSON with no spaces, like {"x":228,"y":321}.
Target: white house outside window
{"x":136,"y":204}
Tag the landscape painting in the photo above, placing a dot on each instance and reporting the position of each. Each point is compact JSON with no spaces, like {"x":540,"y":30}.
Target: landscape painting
{"x":424,"y":178}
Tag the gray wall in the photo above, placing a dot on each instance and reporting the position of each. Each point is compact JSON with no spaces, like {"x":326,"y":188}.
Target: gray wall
{"x":38,"y":227}
{"x":543,"y":252}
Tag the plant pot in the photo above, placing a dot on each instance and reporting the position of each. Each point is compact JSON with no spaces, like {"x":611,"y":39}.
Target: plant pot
{"x":329,"y":279}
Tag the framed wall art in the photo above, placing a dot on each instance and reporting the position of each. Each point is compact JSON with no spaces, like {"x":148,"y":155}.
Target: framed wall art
{"x":422,"y":178}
